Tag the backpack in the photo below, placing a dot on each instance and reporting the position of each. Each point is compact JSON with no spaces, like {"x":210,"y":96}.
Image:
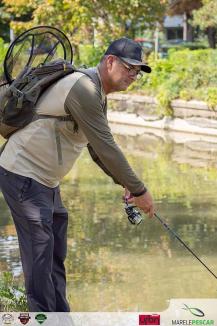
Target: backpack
{"x":30,"y":67}
{"x":34,"y":51}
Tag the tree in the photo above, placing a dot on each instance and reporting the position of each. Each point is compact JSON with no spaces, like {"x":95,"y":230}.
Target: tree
{"x":80,"y":18}
{"x":178,"y":7}
{"x":85,"y":21}
{"x":185,"y":7}
{"x":4,"y":23}
{"x":206,"y":19}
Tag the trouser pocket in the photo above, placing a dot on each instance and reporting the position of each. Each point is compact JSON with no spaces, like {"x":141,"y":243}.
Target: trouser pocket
{"x":24,"y":187}
{"x":13,"y":184}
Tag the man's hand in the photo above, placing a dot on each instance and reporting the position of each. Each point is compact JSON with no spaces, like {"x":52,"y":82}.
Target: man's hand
{"x":144,"y":202}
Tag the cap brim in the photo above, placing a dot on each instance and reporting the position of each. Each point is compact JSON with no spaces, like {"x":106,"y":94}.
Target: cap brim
{"x":133,"y":62}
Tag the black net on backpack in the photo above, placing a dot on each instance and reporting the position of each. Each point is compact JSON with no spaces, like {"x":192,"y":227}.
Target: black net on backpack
{"x":35,"y":47}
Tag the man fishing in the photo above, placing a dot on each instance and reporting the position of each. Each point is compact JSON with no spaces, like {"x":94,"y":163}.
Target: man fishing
{"x":38,"y":156}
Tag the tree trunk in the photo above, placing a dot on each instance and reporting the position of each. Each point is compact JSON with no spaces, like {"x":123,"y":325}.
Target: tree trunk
{"x":190,"y":34}
{"x":189,"y":28}
{"x":212,"y":37}
{"x":76,"y":53}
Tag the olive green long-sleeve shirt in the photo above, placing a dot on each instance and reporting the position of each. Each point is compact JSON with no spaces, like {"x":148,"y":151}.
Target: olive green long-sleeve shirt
{"x":89,"y":112}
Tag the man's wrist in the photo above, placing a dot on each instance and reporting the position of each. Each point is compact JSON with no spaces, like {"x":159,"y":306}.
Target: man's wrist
{"x":140,"y":193}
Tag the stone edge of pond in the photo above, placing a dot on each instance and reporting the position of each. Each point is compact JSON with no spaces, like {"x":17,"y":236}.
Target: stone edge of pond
{"x":138,"y":110}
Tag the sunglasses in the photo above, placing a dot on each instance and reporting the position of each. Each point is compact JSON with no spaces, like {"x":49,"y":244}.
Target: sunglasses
{"x":132,"y":71}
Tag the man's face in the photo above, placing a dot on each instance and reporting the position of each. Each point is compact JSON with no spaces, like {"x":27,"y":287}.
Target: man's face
{"x":121,"y":74}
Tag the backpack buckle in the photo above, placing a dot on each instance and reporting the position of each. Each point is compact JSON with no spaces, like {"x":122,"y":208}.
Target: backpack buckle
{"x":19,"y":95}
{"x":20,"y":101}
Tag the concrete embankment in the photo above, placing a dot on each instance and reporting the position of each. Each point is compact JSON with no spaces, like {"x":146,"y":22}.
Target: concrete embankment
{"x":193,"y":117}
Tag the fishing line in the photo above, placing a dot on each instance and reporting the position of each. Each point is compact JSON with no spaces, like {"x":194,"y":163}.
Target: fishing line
{"x":183,"y":243}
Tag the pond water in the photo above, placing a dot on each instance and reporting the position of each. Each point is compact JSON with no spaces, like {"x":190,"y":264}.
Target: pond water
{"x":115,"y":266}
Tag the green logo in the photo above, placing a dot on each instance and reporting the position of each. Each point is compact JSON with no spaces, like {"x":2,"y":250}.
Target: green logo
{"x":194,"y":311}
{"x":40,"y":318}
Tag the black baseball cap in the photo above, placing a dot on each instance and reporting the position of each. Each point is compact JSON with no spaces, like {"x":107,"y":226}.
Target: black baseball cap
{"x":128,"y":51}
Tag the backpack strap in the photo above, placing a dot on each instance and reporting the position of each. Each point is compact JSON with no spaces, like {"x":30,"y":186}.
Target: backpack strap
{"x":58,"y":143}
{"x":48,"y":116}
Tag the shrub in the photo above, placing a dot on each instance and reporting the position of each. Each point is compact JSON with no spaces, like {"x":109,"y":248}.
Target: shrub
{"x":185,"y":95}
{"x":185,"y":74}
{"x":212,"y":97}
{"x":164,"y":107}
{"x":12,"y":296}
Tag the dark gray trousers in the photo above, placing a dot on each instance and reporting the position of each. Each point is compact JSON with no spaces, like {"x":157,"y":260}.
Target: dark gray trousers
{"x":41,"y":224}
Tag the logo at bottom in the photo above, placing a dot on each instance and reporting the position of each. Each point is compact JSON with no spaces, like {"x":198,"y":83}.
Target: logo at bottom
{"x":40,"y":318}
{"x":7,"y":319}
{"x":153,"y":319}
{"x":24,"y":317}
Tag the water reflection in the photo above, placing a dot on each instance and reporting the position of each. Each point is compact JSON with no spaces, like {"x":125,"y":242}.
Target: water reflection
{"x":112,"y":265}
{"x":9,"y":254}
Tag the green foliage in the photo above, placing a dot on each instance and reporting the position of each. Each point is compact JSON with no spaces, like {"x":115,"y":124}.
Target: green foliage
{"x":185,"y":74}
{"x":206,"y":16}
{"x":185,"y":95}
{"x":89,"y":55}
{"x":82,"y":18}
{"x":12,"y":296}
{"x":85,"y":21}
{"x":212,"y":97}
{"x":4,"y":23}
{"x":164,"y":107}
{"x":3,"y":50}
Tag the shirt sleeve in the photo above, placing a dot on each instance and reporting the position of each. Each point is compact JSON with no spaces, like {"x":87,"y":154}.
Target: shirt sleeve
{"x":84,"y":102}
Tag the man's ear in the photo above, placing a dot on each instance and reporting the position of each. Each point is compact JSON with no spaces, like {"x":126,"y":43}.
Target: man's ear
{"x":110,"y":61}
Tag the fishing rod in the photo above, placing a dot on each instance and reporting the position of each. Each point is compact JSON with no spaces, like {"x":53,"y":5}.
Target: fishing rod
{"x":135,"y":217}
{"x":183,"y":243}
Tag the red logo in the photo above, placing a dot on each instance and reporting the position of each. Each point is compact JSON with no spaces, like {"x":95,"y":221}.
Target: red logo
{"x":153,"y":319}
{"x":24,"y":318}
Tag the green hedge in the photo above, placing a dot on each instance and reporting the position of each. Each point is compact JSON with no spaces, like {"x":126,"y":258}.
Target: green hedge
{"x":185,"y":74}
